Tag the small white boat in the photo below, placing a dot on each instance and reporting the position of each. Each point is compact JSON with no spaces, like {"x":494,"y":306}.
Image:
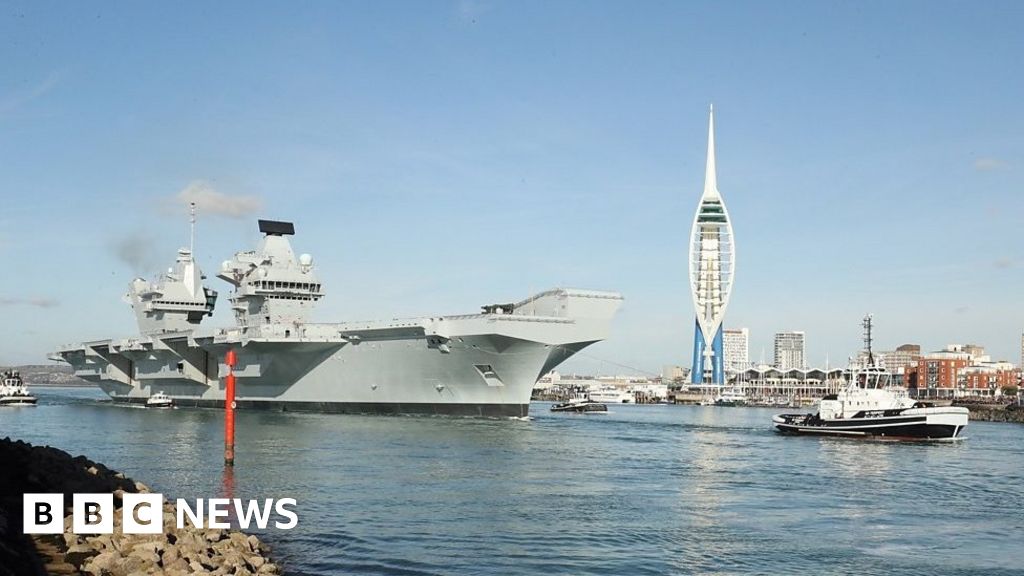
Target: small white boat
{"x":610,"y":395}
{"x":13,"y":391}
{"x":580,"y":401}
{"x":160,"y":400}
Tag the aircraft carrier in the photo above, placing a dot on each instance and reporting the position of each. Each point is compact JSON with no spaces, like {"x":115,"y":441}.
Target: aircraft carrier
{"x":482,"y":364}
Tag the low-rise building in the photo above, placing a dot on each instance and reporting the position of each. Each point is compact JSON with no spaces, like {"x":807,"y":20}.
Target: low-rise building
{"x":768,"y":382}
{"x":959,"y":370}
{"x":987,"y":379}
{"x":675,"y":375}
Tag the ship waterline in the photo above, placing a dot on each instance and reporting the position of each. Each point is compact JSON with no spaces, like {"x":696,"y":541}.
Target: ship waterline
{"x":481,"y":364}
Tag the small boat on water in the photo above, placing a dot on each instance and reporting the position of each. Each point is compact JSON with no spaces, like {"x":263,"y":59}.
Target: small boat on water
{"x":731,"y":397}
{"x":871,"y":406}
{"x":579,"y":401}
{"x":160,"y":400}
{"x":13,"y":391}
{"x":610,"y":395}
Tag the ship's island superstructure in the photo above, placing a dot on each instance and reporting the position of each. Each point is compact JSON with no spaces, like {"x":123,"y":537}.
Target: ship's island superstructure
{"x":482,"y":364}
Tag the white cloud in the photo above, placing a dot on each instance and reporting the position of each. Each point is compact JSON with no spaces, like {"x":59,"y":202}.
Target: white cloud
{"x":470,"y":10}
{"x":38,"y":302}
{"x":989,"y":164}
{"x":210,"y":201}
{"x":14,"y":100}
{"x":1005,"y":262}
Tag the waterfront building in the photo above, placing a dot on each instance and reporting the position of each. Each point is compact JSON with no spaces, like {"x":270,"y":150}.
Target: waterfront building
{"x":937,"y":373}
{"x":736,"y":348}
{"x":674,"y":374}
{"x":712,"y":262}
{"x":987,"y":379}
{"x":790,"y":350}
{"x":769,"y":383}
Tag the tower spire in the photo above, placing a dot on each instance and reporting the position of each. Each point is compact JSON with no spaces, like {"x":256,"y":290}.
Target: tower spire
{"x":710,"y":177}
{"x":192,"y":228}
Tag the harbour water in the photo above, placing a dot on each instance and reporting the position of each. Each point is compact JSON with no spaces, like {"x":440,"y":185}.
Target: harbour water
{"x":642,"y":490}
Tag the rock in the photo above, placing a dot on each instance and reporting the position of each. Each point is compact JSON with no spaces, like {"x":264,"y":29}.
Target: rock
{"x":78,"y":554}
{"x":234,"y":559}
{"x":71,"y":539}
{"x":189,"y":541}
{"x":154,"y":546}
{"x":177,"y":564}
{"x":101,"y":542}
{"x":141,"y":488}
{"x":269,"y":568}
{"x":256,"y":561}
{"x":102,"y":564}
{"x":92,"y":470}
{"x":141,"y":560}
{"x":130,"y":564}
{"x":253,"y":542}
{"x":170,"y":556}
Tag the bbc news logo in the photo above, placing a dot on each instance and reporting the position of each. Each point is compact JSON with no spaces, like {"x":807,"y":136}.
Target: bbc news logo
{"x":144,"y":513}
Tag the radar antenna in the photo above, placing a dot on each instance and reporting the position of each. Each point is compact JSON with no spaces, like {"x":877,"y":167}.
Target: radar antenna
{"x":192,"y":228}
{"x":867,"y":339}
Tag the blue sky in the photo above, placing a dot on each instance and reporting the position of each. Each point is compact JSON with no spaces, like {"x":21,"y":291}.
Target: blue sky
{"x":437,"y":156}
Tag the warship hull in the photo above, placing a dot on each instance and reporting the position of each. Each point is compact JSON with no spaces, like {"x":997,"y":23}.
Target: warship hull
{"x":475,"y":365}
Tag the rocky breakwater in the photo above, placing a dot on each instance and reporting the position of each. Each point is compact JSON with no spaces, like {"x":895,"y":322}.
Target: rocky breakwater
{"x":995,"y":412}
{"x":178,"y":551}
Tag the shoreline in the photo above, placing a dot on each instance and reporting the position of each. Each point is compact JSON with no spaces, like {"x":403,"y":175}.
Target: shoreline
{"x":188,"y":550}
{"x":1011,"y":413}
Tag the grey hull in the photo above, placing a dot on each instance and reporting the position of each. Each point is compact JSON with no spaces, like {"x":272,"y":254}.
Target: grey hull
{"x":473,"y":365}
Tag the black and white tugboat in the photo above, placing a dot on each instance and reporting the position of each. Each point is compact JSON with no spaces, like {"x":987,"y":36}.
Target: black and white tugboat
{"x":871,"y":406}
{"x":13,"y":391}
{"x":579,"y":401}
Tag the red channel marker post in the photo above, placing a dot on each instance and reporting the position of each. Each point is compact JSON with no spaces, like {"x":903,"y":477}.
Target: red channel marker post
{"x":229,"y":409}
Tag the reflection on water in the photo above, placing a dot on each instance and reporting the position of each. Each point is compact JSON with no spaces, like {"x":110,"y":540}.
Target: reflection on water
{"x":643,"y":490}
{"x":857,"y":460}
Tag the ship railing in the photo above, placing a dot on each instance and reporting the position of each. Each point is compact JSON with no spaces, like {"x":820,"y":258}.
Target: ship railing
{"x":513,"y":318}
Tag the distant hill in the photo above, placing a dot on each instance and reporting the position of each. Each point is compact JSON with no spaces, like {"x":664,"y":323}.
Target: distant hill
{"x":50,"y":375}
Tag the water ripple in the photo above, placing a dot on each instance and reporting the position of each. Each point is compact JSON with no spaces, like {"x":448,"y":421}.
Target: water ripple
{"x":643,"y":490}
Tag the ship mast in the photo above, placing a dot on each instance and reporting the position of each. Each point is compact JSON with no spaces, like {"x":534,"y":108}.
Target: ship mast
{"x":192,"y":228}
{"x":867,"y":339}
